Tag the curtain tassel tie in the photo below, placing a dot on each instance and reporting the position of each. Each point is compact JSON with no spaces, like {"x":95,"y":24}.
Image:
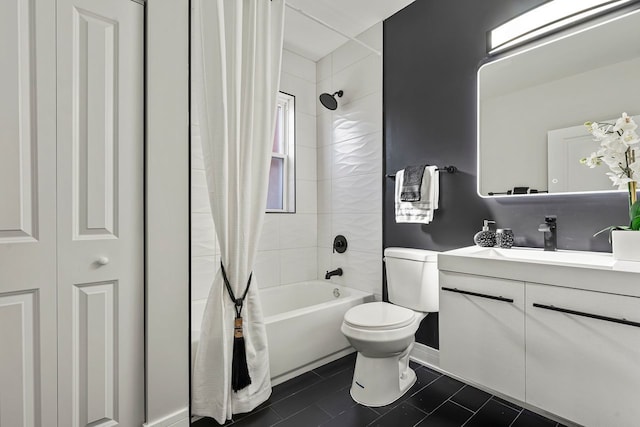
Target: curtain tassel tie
{"x":239,"y":370}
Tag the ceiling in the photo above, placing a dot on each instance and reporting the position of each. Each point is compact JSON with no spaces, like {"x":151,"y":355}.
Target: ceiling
{"x":314,"y":41}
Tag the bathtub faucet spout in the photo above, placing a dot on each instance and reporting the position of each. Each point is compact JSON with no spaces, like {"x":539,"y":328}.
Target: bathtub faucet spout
{"x":336,"y":272}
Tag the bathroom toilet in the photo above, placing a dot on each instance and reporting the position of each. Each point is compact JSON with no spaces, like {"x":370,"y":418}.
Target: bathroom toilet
{"x":383,"y":333}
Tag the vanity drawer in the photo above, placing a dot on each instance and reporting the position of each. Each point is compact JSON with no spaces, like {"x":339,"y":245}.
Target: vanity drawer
{"x":481,"y":324}
{"x":583,"y":355}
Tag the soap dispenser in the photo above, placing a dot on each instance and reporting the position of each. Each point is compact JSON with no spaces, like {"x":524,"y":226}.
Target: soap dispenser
{"x":485,"y":238}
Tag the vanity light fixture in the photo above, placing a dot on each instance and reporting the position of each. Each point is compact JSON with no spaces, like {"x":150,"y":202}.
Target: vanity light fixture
{"x":546,"y":18}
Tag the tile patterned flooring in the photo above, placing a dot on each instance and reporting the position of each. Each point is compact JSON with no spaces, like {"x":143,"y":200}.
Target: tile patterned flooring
{"x":321,"y":398}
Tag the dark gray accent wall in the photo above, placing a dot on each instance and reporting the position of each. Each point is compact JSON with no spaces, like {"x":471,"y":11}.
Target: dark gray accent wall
{"x":432,"y":50}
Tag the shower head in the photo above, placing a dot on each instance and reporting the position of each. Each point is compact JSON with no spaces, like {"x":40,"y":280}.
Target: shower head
{"x":329,"y":101}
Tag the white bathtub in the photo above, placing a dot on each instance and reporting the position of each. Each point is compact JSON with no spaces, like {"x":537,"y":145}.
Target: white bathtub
{"x":303,"y":325}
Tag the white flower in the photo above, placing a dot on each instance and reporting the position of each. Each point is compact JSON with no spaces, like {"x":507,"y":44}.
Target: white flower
{"x":620,"y":181}
{"x":616,"y":150}
{"x":625,"y":123}
{"x":592,"y":161}
{"x":597,"y":130}
{"x":614,"y":144}
{"x":630,"y":137}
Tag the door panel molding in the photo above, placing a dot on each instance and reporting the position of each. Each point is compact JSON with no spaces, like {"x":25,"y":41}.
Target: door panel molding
{"x":19,"y":367}
{"x":18,"y":163}
{"x":95,"y":367}
{"x":95,"y":126}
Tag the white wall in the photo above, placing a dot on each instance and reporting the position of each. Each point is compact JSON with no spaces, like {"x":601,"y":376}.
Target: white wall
{"x":350,"y":163}
{"x":167,"y":219}
{"x":288,"y":246}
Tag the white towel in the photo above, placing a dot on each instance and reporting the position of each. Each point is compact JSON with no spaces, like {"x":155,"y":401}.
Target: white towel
{"x":421,"y":211}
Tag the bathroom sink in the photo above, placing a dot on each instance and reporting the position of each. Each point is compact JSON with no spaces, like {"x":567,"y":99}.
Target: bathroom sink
{"x":575,"y":269}
{"x":594,"y":259}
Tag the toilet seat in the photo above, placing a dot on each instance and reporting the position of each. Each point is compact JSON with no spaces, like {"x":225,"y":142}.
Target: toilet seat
{"x":379,"y":316}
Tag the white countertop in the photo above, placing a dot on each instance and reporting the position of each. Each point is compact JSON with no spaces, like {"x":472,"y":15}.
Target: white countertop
{"x":596,"y":271}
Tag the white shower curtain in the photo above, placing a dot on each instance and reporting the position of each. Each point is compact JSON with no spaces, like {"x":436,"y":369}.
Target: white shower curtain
{"x":237,"y":51}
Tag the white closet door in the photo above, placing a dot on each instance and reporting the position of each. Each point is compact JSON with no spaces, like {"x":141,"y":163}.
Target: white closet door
{"x":27,"y":214}
{"x":100,"y":212}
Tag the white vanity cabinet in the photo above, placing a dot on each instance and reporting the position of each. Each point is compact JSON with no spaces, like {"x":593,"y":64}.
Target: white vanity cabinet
{"x":582,"y":358}
{"x":569,"y":341}
{"x":482,"y":331}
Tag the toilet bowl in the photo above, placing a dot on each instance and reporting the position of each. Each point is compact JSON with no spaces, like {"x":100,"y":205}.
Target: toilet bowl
{"x":383,"y":336}
{"x":383,"y":332}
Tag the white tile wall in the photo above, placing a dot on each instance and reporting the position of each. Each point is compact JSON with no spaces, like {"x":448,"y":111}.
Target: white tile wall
{"x":298,"y":265}
{"x":356,"y":194}
{"x":349,"y":156}
{"x":287,"y":250}
{"x":298,"y":231}
{"x":357,"y":156}
{"x":359,"y":117}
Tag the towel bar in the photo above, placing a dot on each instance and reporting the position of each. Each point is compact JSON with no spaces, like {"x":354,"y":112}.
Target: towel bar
{"x":448,"y":169}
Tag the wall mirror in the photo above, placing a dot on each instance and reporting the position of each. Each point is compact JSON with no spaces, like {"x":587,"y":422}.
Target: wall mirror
{"x":532,"y":105}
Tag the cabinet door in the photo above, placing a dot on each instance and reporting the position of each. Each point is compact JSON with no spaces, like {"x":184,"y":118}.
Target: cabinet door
{"x":482,"y":331}
{"x":27,"y":214}
{"x":583,"y":368}
{"x":100,"y":212}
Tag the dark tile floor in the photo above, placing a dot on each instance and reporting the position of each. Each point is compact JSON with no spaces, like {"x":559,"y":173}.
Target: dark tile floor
{"x":321,"y":398}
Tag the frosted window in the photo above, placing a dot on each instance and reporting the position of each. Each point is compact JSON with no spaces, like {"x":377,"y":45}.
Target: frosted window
{"x":275,"y":197}
{"x":281,"y":195}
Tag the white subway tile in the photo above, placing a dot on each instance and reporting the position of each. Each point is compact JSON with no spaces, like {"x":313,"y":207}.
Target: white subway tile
{"x":270,"y":235}
{"x":360,"y":79}
{"x":298,"y":231}
{"x":298,"y":265}
{"x":323,"y":68}
{"x":324,"y":123}
{"x":325,"y":234}
{"x":306,"y":164}
{"x":324,"y":262}
{"x":306,"y":197}
{"x":306,"y":130}
{"x":361,"y":270}
{"x":267,"y":268}
{"x":303,"y":90}
{"x":348,"y":54}
{"x":324,"y":196}
{"x":324,"y":162}
{"x":299,"y":66}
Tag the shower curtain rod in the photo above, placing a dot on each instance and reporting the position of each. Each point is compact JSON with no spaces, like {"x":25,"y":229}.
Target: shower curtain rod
{"x":324,"y":24}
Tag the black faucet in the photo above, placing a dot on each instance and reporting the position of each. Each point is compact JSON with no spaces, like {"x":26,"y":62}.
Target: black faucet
{"x":550,"y":229}
{"x":336,"y":272}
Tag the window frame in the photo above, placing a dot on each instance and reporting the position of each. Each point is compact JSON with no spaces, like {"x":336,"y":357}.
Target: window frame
{"x":288,"y":155}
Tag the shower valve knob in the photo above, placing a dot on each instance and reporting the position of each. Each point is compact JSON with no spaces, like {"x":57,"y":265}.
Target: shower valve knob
{"x":340,"y":244}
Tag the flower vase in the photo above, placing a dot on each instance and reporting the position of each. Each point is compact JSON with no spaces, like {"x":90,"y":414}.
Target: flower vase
{"x":626,"y":245}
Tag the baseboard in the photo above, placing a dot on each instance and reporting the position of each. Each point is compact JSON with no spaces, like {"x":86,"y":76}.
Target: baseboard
{"x":425,"y":355}
{"x":177,"y":419}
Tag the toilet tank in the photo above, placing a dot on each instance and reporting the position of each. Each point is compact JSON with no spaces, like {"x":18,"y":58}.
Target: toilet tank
{"x":412,"y":278}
